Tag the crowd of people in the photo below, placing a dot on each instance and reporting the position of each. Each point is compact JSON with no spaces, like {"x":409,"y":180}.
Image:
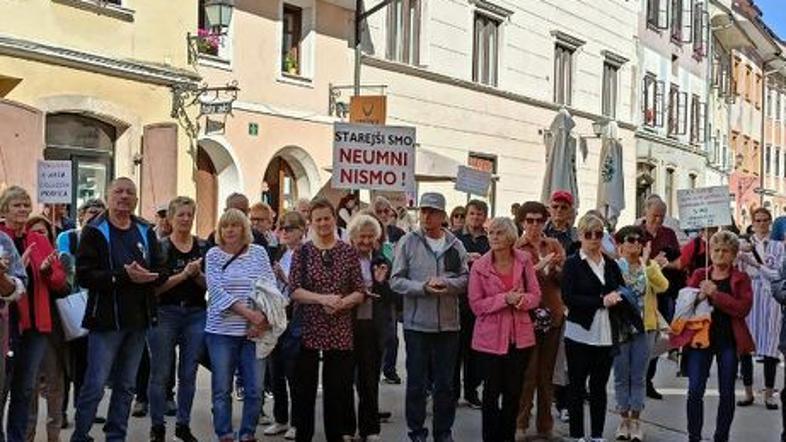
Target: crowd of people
{"x":518,"y":316}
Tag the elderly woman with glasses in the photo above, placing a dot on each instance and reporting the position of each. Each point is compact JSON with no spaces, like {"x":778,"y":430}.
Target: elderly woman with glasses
{"x":327,"y":283}
{"x":548,"y":257}
{"x":503,"y":288}
{"x":596,"y":312}
{"x":762,"y":261}
{"x":729,"y":292}
{"x":645,"y":282}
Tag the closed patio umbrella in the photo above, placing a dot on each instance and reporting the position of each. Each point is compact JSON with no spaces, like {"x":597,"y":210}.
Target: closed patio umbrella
{"x":561,"y":158}
{"x":611,"y":181}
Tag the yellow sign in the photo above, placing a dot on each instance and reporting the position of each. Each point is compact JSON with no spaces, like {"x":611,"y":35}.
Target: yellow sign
{"x":369,"y":109}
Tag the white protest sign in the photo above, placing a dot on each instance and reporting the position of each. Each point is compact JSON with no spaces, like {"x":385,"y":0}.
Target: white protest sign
{"x":704,"y":207}
{"x":54,"y":182}
{"x":473,"y":181}
{"x":367,"y":156}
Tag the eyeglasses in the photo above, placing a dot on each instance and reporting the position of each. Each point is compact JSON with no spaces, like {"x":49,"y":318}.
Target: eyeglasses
{"x":633,"y":239}
{"x":595,"y":234}
{"x":327,"y":259}
{"x":534,"y":220}
{"x":289,"y":228}
{"x":458,"y":215}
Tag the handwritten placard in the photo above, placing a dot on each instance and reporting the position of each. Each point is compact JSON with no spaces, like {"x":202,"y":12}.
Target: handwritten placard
{"x":473,"y":181}
{"x":54,"y":182}
{"x":704,"y":207}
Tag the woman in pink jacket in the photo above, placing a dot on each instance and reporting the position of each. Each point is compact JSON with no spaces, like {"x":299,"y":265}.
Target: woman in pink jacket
{"x":503,"y":288}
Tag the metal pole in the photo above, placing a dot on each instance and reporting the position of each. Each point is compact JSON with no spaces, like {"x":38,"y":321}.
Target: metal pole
{"x":762,"y":147}
{"x":358,"y":37}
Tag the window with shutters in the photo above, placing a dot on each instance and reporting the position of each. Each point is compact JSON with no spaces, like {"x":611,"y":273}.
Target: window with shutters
{"x":609,"y":99}
{"x":697,"y":120}
{"x":767,"y":159}
{"x":653,"y":103}
{"x":291,"y":54}
{"x":563,"y":74}
{"x":403,"y":24}
{"x":485,"y":59}
{"x":653,"y":8}
{"x":676,"y":21}
{"x":678,"y":109}
{"x":701,"y":31}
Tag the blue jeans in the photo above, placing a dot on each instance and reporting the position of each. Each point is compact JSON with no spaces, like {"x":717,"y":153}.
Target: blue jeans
{"x":107,"y":349}
{"x":227,"y":354}
{"x":437,"y":351}
{"x":630,"y":372}
{"x":183,"y":327}
{"x":698,"y":366}
{"x":29,"y":354}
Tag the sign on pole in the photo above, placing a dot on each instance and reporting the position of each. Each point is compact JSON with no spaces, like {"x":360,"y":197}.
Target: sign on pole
{"x":473,"y":181}
{"x":369,"y":109}
{"x":373,"y":157}
{"x":54,"y":182}
{"x":704,"y":207}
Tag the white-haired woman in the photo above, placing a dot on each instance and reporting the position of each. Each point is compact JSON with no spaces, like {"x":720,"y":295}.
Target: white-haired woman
{"x":232,"y":269}
{"x":365,"y":233}
{"x":503,"y":288}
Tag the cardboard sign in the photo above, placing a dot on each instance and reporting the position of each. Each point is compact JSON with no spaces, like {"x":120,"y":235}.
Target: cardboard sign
{"x":473,"y":181}
{"x":704,"y":207}
{"x":368,"y":109}
{"x":373,"y":157}
{"x":54,"y":182}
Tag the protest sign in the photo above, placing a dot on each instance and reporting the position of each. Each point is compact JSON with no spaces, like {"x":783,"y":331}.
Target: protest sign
{"x":373,"y":157}
{"x":704,"y":207}
{"x":474,"y":181}
{"x":54,"y":182}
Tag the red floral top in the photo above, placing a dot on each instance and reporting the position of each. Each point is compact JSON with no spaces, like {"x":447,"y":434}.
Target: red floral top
{"x":333,"y":271}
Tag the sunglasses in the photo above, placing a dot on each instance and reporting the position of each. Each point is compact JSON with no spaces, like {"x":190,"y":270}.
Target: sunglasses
{"x":595,"y":234}
{"x":534,"y":220}
{"x":290,"y":228}
{"x":458,"y":215}
{"x":327,"y":259}
{"x":634,"y":239}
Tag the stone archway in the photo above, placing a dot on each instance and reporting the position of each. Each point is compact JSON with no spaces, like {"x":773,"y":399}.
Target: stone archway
{"x":216,"y":177}
{"x":291,"y":174}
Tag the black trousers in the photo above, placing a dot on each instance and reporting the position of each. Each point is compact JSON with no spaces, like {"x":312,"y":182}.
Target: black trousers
{"x":770,"y":370}
{"x":368,"y":352}
{"x":593,"y":363}
{"x":504,"y":379}
{"x":467,"y":361}
{"x":282,"y":367}
{"x":338,"y":400}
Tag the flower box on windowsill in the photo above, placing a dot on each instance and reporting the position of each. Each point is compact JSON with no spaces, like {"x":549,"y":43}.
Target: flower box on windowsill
{"x":101,"y":8}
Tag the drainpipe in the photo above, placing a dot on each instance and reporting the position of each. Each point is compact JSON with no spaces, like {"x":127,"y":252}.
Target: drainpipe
{"x":764,"y":76}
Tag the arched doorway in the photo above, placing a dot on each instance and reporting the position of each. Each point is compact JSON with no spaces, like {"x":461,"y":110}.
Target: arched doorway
{"x":290,"y":175}
{"x":89,"y":144}
{"x":207,"y":194}
{"x":217,"y":176}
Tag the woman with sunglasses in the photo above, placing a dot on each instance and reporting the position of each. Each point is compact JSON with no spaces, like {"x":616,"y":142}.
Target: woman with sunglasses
{"x":596,"y":311}
{"x":762,"y":261}
{"x":291,"y":232}
{"x":326,"y":283}
{"x":457,"y":217}
{"x":645,"y":281}
{"x":548,"y":258}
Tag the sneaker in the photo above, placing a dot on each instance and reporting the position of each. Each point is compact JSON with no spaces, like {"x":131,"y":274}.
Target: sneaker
{"x":652,"y":393}
{"x":290,"y":434}
{"x":473,"y":401}
{"x":392,"y":378}
{"x":623,"y":430}
{"x":183,"y":432}
{"x":158,"y":433}
{"x":564,"y":416}
{"x":275,"y":429}
{"x":99,"y":420}
{"x":636,"y":433}
{"x":139,"y":410}
{"x":171,"y":408}
{"x":384,"y":416}
{"x":265,"y":419}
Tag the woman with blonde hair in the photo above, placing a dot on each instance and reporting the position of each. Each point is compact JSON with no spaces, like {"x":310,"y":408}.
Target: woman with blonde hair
{"x":503,"y":288}
{"x":232,"y":269}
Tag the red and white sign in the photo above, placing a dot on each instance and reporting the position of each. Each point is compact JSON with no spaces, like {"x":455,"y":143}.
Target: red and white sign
{"x":373,"y":157}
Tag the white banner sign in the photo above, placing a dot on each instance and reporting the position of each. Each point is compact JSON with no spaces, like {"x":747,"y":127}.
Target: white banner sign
{"x":54,"y":182}
{"x":704,"y":207}
{"x":373,"y":157}
{"x":473,"y":181}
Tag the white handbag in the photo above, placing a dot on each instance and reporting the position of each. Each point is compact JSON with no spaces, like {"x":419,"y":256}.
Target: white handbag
{"x":72,"y":312}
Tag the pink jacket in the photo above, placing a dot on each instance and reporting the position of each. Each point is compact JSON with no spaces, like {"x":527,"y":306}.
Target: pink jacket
{"x":496,"y":320}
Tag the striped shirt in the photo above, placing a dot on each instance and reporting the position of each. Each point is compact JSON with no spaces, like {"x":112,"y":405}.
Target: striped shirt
{"x":234,"y":283}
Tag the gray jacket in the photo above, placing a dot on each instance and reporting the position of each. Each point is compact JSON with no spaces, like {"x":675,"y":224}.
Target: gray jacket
{"x":414,"y":264}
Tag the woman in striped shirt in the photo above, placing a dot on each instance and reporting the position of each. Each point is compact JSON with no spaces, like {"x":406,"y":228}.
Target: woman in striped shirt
{"x":232,"y":269}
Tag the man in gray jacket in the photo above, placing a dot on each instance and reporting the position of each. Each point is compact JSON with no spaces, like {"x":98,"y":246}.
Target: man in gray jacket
{"x":430,"y":272}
